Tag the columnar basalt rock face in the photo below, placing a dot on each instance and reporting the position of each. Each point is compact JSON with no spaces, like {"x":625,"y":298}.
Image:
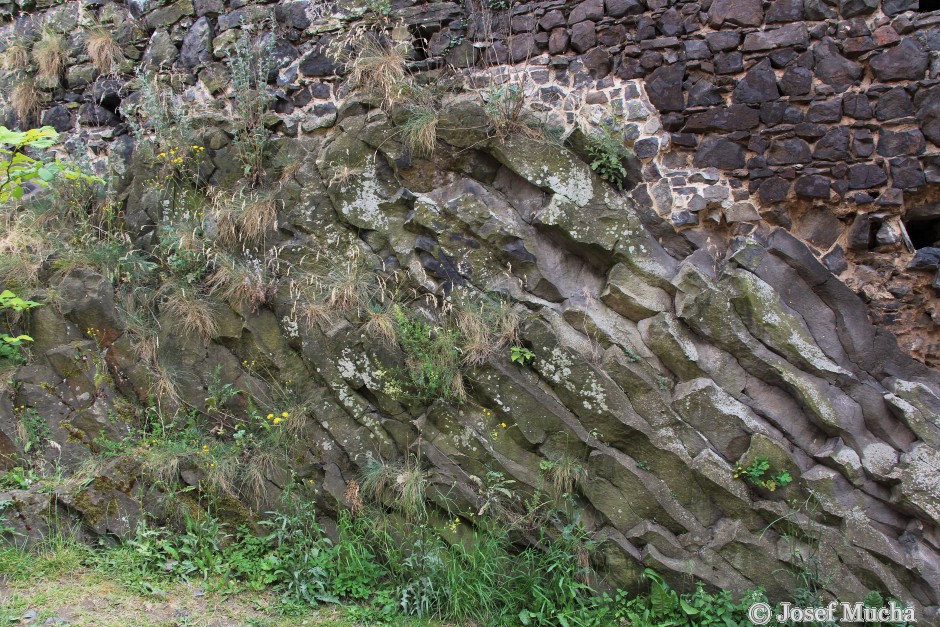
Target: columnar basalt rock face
{"x":680,"y":327}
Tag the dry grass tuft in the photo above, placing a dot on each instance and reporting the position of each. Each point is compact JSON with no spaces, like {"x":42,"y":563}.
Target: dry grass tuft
{"x":353,"y":498}
{"x":487,"y":326}
{"x":308,"y":306}
{"x":419,"y":131}
{"x":244,"y":219}
{"x":162,"y":464}
{"x":563,"y":475}
{"x":343,"y":173}
{"x":51,"y":55}
{"x":24,"y":248}
{"x":259,"y":216}
{"x":163,"y":384}
{"x":381,"y":322}
{"x":146,"y":346}
{"x":404,"y":482}
{"x":26,"y":99}
{"x":254,"y":473}
{"x":341,"y":288}
{"x":348,"y":287}
{"x":288,"y":172}
{"x":16,"y":56}
{"x":378,"y":65}
{"x":143,"y":328}
{"x":190,"y":312}
{"x":104,"y":50}
{"x":243,"y":283}
{"x":222,"y":474}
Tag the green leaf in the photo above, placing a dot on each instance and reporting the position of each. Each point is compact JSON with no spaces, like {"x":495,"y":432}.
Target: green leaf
{"x":662,"y":599}
{"x":15,"y":341}
{"x":688,"y":609}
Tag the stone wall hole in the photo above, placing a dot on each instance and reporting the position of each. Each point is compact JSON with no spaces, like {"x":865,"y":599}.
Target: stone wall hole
{"x":924,"y":232}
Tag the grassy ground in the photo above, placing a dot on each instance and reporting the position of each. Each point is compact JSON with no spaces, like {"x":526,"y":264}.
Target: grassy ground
{"x":58,"y":584}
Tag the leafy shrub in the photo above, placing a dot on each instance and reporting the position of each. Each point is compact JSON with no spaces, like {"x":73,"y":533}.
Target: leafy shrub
{"x":165,"y":126}
{"x":756,"y":473}
{"x":504,"y":105}
{"x":380,"y":8}
{"x":432,"y":358}
{"x":196,"y":551}
{"x":33,"y":429}
{"x":664,"y":606}
{"x":11,"y":345}
{"x":521,"y":355}
{"x":19,"y":170}
{"x":607,"y":153}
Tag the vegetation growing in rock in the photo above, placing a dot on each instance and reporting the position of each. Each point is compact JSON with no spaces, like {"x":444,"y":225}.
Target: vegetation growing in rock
{"x":50,"y":54}
{"x":376,"y":63}
{"x":521,"y":355}
{"x":433,"y":359}
{"x":250,"y":61}
{"x":757,"y":473}
{"x":420,"y":129}
{"x":104,"y":50}
{"x":26,"y":98}
{"x":607,"y":153}
{"x":11,"y":346}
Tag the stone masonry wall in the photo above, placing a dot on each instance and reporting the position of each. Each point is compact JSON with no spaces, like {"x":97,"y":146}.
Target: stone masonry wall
{"x":819,"y":116}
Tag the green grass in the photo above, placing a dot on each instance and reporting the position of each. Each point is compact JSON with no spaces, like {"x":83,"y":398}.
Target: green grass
{"x":115,"y":586}
{"x":377,"y":567}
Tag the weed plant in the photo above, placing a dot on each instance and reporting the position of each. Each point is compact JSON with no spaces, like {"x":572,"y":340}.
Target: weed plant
{"x":250,"y":61}
{"x":607,"y":153}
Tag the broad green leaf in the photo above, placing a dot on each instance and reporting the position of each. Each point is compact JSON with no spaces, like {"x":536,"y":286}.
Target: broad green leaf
{"x":688,"y":609}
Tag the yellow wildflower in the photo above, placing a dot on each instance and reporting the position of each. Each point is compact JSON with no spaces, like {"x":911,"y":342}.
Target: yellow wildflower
{"x":284,"y":414}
